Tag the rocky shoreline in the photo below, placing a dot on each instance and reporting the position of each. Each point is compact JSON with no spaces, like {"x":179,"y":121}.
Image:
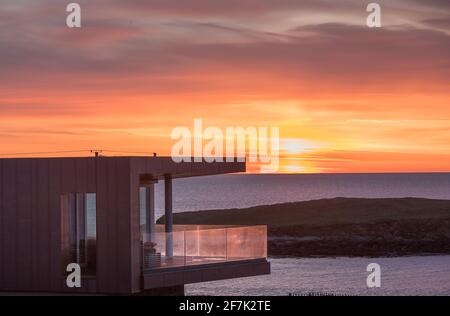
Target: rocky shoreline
{"x":350,"y":227}
{"x":383,"y":239}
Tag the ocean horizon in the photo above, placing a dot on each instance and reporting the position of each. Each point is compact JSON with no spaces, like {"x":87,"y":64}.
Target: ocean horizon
{"x":247,"y":190}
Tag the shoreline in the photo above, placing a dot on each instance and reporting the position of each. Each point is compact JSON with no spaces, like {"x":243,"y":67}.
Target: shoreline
{"x":379,"y":239}
{"x":343,"y":227}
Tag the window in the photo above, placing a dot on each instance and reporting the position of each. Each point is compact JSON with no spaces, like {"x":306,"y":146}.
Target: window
{"x":147,"y":211}
{"x":78,"y":230}
{"x":143,"y":210}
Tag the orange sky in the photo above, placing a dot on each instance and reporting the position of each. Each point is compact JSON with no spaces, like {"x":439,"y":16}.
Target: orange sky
{"x":346,"y":98}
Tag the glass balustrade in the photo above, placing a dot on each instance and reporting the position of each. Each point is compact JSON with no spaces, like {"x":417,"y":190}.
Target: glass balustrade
{"x":202,"y":244}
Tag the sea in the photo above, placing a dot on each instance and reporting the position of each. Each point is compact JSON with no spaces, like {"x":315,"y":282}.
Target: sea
{"x":245,"y":190}
{"x":415,"y":275}
{"x":402,"y":276}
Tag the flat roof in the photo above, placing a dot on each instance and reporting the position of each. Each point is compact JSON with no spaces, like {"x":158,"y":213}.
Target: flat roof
{"x":156,"y":167}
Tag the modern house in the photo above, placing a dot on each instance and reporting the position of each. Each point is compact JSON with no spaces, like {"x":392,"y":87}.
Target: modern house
{"x":99,"y":212}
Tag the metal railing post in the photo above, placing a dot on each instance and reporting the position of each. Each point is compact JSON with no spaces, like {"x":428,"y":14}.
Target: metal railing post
{"x":226,"y":244}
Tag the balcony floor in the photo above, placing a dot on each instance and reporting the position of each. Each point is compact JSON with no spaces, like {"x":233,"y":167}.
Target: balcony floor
{"x":203,"y":271}
{"x":182,"y":261}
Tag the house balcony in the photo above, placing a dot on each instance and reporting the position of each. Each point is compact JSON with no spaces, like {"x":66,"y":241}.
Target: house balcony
{"x":200,"y":253}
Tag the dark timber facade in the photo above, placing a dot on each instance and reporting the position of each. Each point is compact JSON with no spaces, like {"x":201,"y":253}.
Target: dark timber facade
{"x":47,"y":207}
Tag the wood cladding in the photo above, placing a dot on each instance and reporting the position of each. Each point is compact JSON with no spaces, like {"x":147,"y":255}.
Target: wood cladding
{"x":30,"y":217}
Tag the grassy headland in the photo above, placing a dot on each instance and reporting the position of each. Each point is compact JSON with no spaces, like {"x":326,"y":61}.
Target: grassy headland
{"x":342,"y":226}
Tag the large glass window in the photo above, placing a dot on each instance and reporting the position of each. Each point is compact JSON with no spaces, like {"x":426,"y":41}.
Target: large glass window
{"x":78,"y":230}
{"x":147,"y":211}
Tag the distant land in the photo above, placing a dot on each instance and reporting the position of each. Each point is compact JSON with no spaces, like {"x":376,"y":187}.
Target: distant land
{"x":342,"y":226}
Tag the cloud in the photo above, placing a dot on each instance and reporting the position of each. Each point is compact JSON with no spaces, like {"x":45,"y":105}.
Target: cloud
{"x":441,"y":4}
{"x":161,"y":63}
{"x":225,"y":7}
{"x":309,"y":61}
{"x":442,"y":24}
{"x":343,"y":54}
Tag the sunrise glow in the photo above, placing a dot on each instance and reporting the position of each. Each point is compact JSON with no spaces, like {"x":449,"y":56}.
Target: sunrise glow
{"x":345,"y":97}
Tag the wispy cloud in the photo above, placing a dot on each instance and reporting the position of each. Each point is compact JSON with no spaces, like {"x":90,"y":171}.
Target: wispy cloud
{"x":137,"y":68}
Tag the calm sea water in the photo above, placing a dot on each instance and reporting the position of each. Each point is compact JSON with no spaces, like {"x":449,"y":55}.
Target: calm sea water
{"x":339,"y":276}
{"x":237,"y":191}
{"x":427,"y":275}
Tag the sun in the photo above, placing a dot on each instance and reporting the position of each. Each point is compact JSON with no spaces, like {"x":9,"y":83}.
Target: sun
{"x":292,"y":146}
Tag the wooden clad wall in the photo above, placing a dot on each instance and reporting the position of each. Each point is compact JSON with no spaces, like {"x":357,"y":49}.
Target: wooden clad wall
{"x":30,"y":222}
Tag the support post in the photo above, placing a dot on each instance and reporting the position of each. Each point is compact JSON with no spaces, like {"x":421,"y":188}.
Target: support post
{"x":150,"y":211}
{"x":168,"y":214}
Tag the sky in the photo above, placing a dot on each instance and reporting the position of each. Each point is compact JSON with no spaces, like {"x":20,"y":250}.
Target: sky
{"x":346,"y":97}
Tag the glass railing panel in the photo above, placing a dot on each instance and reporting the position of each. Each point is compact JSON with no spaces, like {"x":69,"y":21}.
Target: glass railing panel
{"x":163,"y":250}
{"x":203,"y":245}
{"x":246,"y":242}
